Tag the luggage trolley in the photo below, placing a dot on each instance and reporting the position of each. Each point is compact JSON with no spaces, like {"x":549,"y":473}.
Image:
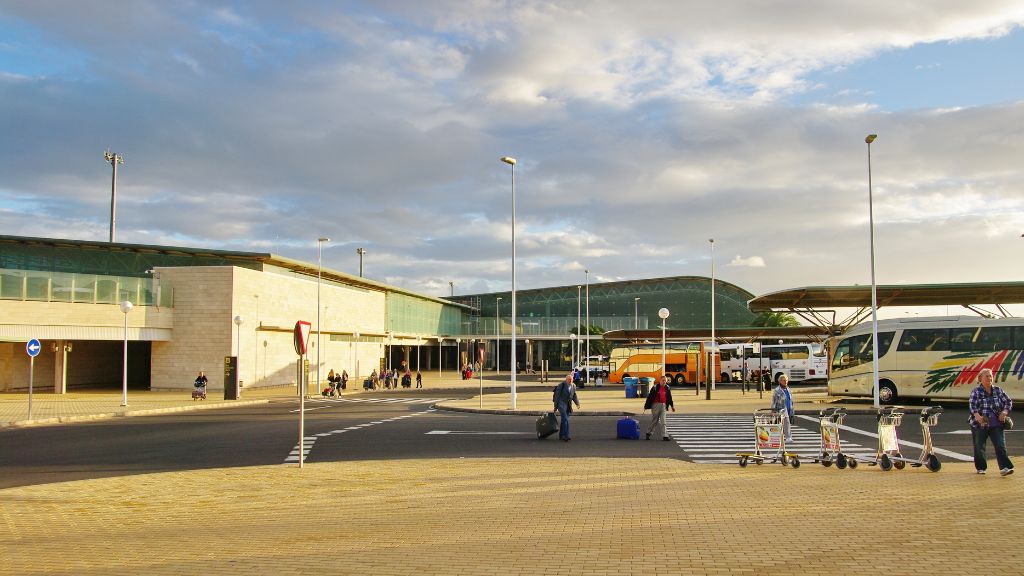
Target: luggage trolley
{"x":767,"y":436}
{"x":889,"y":455}
{"x":830,"y":419}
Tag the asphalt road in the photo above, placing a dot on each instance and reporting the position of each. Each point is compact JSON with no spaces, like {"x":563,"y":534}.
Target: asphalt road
{"x":377,"y":426}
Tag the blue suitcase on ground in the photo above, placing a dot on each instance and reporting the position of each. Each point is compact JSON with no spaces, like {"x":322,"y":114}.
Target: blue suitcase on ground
{"x":628,"y":429}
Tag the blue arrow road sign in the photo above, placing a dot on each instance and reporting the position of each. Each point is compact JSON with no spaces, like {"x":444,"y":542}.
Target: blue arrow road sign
{"x":33,"y":347}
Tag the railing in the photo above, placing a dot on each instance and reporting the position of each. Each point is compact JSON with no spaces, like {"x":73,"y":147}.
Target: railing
{"x":70,"y":287}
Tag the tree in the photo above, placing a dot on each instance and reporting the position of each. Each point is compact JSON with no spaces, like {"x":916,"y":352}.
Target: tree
{"x":600,"y":347}
{"x":773,"y":319}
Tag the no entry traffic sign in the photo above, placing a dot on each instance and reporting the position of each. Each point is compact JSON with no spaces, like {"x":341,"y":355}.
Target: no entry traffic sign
{"x":302,"y":329}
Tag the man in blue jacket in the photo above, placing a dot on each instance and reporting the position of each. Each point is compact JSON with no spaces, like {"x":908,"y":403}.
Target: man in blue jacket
{"x":563,"y":398}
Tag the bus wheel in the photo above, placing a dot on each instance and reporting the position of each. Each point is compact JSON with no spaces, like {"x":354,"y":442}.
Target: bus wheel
{"x":679,"y":380}
{"x":886,"y":392}
{"x":726,"y":378}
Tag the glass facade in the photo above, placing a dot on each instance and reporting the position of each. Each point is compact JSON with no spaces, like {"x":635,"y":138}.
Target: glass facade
{"x":613,"y":306}
{"x":410,"y":315}
{"x":34,"y":285}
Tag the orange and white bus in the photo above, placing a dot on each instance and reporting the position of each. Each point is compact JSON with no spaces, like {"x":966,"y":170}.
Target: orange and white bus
{"x":936,"y":357}
{"x":682,"y":362}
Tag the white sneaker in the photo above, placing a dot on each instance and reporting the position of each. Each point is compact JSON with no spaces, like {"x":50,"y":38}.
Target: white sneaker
{"x":1006,"y":471}
{"x":980,"y":471}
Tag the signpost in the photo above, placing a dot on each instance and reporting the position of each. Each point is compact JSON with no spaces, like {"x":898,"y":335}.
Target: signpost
{"x":32,"y":347}
{"x":300,"y":339}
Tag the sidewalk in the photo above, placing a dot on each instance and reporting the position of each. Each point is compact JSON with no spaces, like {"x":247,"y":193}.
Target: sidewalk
{"x":526,"y":516}
{"x":50,"y":408}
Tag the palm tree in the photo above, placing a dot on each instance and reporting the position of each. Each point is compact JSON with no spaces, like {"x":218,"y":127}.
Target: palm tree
{"x":775,"y":319}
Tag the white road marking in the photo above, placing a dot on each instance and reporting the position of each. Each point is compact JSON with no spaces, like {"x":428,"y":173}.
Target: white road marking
{"x":309,"y":441}
{"x":471,"y":432}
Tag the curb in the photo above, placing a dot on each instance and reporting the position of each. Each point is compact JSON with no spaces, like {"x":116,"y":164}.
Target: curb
{"x":527,"y":412}
{"x":128,"y":414}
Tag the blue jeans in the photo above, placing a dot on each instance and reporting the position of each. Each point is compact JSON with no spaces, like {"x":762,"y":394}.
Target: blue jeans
{"x":980,"y":435}
{"x":563,"y":422}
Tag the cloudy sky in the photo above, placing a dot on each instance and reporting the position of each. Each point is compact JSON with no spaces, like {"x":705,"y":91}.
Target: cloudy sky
{"x":641,"y":129}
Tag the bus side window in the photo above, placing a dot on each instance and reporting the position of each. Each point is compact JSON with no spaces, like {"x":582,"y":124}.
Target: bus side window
{"x":962,"y":339}
{"x":1018,"y":338}
{"x":994,"y":338}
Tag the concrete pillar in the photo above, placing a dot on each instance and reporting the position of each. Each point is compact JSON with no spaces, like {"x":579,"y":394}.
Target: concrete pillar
{"x":60,"y":367}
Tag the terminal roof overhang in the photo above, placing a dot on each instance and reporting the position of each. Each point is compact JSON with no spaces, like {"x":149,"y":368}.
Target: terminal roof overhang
{"x":818,"y":297}
{"x":745,"y":333}
{"x":815,"y":303}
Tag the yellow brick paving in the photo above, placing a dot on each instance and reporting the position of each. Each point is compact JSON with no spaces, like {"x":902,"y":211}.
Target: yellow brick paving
{"x":518,"y":516}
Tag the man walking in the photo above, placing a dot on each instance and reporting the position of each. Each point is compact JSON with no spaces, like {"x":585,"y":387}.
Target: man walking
{"x":782,"y":402}
{"x":658,"y":400}
{"x":990,"y":407}
{"x":563,"y":398}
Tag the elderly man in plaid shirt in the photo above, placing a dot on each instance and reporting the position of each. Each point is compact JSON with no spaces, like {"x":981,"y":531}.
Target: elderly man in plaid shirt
{"x":989,"y":408}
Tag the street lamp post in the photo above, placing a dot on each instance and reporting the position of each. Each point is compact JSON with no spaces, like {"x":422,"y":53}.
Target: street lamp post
{"x":874,"y":298}
{"x":512,"y":162}
{"x":126,"y":307}
{"x":636,"y":313}
{"x":458,"y":354}
{"x":238,"y":350}
{"x":573,"y":337}
{"x":319,"y":269}
{"x":586,"y":361}
{"x":113,"y":158}
{"x":663,"y":314}
{"x":440,"y":341}
{"x":497,"y":335}
{"x":579,"y":324}
{"x":361,"y":252}
{"x":714,"y":367}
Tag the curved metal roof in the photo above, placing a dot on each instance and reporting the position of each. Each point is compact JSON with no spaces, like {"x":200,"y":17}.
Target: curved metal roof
{"x":827,"y":297}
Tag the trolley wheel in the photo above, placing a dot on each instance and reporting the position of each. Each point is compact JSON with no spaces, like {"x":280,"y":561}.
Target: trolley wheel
{"x":841,"y":461}
{"x":851,"y":463}
{"x":743,"y":461}
{"x":758,"y":462}
{"x":899,"y":464}
{"x":933,"y":463}
{"x":785,"y":460}
{"x":826,"y":463}
{"x":885,"y":463}
{"x":794,"y":462}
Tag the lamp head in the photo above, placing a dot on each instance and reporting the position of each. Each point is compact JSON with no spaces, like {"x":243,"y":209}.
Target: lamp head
{"x":239,"y":320}
{"x":663,"y":313}
{"x":126,"y":306}
{"x":870,"y":138}
{"x":323,"y":239}
{"x":508,"y":160}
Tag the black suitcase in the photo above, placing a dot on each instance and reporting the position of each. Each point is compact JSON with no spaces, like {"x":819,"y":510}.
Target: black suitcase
{"x":546,"y":425}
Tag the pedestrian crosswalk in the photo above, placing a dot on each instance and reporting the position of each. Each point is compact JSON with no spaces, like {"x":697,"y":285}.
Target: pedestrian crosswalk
{"x":377,"y":400}
{"x":716,"y":438}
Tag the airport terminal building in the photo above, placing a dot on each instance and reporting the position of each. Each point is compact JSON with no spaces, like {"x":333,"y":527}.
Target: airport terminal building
{"x":194,"y":307}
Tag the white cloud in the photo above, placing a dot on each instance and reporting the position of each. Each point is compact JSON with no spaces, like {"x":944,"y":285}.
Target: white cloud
{"x":749,"y":262}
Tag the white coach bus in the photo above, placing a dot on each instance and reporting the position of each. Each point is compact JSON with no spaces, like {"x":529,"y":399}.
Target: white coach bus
{"x":936,"y":357}
{"x":799,"y":362}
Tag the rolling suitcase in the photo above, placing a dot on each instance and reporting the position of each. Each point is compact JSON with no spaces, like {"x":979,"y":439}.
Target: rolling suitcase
{"x":547,"y":425}
{"x":628,"y":429}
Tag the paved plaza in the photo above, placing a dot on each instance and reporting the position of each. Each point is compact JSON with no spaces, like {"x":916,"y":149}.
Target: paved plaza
{"x":514,"y":515}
